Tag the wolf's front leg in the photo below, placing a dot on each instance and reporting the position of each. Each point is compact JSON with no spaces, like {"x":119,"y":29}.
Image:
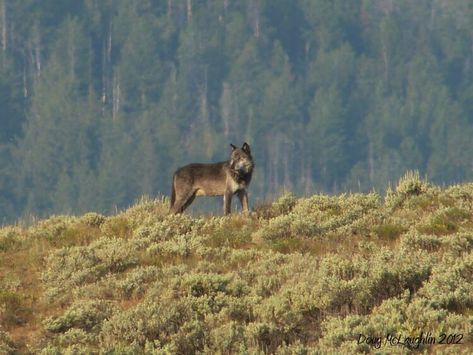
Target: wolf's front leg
{"x":243,"y":196}
{"x":227,"y":202}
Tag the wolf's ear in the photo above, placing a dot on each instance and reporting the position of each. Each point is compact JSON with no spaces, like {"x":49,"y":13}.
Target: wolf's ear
{"x":233,"y":147}
{"x":246,"y":148}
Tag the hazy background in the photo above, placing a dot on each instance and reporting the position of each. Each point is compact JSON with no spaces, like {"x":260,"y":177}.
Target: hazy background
{"x":101,"y":100}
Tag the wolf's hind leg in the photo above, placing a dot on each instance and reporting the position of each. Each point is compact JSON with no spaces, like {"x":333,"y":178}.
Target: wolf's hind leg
{"x":183,"y":201}
{"x":190,"y":199}
{"x":177,"y":207}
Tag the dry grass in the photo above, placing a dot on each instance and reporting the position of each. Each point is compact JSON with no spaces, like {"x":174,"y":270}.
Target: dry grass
{"x":288,"y":278}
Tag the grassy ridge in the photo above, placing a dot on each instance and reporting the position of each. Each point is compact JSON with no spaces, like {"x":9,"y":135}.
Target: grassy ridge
{"x":298,"y":276}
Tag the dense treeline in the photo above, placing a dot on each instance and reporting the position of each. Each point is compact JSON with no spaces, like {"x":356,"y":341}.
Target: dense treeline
{"x":100,"y":100}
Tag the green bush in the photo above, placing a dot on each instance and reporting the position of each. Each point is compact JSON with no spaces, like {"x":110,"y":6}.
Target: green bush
{"x":283,"y":205}
{"x":85,"y":315}
{"x":458,"y":244}
{"x":445,"y":221}
{"x":229,"y":338}
{"x":149,"y":321}
{"x":9,"y":239}
{"x":413,"y":241}
{"x":92,"y":219}
{"x":389,"y":231}
{"x":70,"y":267}
{"x":396,"y":316}
{"x":78,"y":336}
{"x":409,"y":185}
{"x":451,"y":283}
{"x":323,"y":216}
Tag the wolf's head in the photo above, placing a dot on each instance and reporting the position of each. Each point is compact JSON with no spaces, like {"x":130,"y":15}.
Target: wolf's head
{"x":241,"y":161}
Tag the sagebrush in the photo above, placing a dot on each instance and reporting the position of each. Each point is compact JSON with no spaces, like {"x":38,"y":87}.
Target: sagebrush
{"x":299,"y":276}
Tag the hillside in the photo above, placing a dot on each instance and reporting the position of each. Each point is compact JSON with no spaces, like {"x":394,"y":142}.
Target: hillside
{"x":297,"y":276}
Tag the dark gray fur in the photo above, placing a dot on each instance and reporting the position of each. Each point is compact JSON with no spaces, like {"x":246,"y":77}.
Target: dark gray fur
{"x":219,"y":179}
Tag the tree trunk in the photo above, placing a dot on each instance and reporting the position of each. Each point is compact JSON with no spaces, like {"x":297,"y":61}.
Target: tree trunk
{"x":189,"y":11}
{"x":116,"y":95}
{"x":25,"y":84}
{"x":226,"y":108}
{"x":106,"y":70}
{"x":203,"y":98}
{"x":371,"y":162}
{"x":286,"y":175}
{"x":104,"y":82}
{"x":254,"y":16}
{"x":109,"y":46}
{"x":71,"y":52}
{"x":309,"y":183}
{"x":169,"y":8}
{"x":386,"y":62}
{"x":4,"y":25}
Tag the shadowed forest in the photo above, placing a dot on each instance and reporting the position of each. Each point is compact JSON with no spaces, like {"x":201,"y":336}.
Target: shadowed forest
{"x":101,"y":100}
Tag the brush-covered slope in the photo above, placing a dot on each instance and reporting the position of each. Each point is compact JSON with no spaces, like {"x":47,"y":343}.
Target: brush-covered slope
{"x":300,"y":275}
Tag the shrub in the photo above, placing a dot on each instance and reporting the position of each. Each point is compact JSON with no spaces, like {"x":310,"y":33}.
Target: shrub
{"x":296,"y":348}
{"x":265,"y":336}
{"x":283,"y":205}
{"x":77,"y":337}
{"x":6,"y":344}
{"x":147,"y":209}
{"x":74,"y":266}
{"x":85,"y":315}
{"x":68,"y":230}
{"x":135,"y":282}
{"x":323,"y":216}
{"x":229,"y":338}
{"x":411,"y":184}
{"x":73,"y":349}
{"x":389,"y":231}
{"x":415,"y":241}
{"x":234,"y":231}
{"x":13,"y":308}
{"x":190,"y":339}
{"x":396,"y":316}
{"x":210,"y":284}
{"x":92,"y":219}
{"x":9,"y":238}
{"x":117,"y":227}
{"x":458,"y":244}
{"x":168,"y":228}
{"x":131,"y":349}
{"x":182,"y":246}
{"x":462,"y":195}
{"x":444,"y":221}
{"x":150,"y":320}
{"x":52,"y":228}
{"x":304,"y":276}
{"x":408,"y":185}
{"x":451,"y":283}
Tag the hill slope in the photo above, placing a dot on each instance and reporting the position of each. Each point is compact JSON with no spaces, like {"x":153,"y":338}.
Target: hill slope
{"x":326,"y":273}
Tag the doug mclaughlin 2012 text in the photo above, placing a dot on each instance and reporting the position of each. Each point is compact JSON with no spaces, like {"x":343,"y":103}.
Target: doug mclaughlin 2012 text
{"x":412,"y":342}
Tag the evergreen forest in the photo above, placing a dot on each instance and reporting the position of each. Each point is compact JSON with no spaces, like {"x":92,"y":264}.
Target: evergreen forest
{"x":101,"y":100}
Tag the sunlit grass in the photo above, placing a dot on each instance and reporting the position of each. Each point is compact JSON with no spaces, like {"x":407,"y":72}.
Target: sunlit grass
{"x":290,"y":277}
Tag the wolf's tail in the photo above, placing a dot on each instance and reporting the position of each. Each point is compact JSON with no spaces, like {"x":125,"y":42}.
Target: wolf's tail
{"x":173,"y":192}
